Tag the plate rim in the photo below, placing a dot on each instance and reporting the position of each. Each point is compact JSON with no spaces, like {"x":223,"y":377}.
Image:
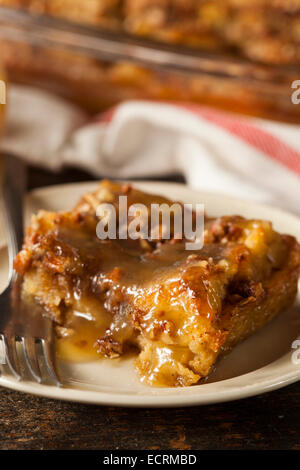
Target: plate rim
{"x":232,"y":390}
{"x":146,"y":401}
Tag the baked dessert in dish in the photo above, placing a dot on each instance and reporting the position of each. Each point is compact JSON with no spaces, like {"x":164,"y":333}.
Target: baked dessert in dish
{"x":176,"y":310}
{"x":95,"y":12}
{"x":264,"y":30}
{"x":267,"y":31}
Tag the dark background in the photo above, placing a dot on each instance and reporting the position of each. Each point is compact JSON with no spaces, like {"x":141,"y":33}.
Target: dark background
{"x":269,"y":421}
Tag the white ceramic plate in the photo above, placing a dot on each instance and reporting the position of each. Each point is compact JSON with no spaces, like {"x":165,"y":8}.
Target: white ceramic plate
{"x":260,"y":364}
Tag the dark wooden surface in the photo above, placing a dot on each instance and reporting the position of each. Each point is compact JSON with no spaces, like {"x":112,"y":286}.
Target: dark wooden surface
{"x":269,"y":421}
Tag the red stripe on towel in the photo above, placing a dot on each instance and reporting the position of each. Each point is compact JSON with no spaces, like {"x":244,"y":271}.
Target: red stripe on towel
{"x":262,"y":140}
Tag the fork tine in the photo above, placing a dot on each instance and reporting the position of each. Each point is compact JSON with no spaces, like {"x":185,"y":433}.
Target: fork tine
{"x":30,"y":354}
{"x":11,"y":356}
{"x":2,"y":350}
{"x":49,"y":354}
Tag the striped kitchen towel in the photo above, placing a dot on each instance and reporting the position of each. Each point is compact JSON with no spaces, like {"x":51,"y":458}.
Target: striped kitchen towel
{"x":215,"y":151}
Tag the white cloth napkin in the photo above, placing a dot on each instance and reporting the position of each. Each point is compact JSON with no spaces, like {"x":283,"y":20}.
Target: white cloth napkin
{"x":215,"y":151}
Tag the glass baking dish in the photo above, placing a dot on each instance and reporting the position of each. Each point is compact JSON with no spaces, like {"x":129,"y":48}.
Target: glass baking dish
{"x":99,"y":68}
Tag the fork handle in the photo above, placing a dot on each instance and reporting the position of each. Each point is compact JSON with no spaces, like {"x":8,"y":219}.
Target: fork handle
{"x":13,"y":191}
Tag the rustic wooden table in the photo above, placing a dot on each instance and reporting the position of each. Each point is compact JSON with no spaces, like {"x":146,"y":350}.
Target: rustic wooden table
{"x":269,"y":421}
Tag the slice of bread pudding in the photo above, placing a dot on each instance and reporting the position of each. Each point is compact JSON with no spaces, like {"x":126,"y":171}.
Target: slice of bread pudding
{"x":178,"y":309}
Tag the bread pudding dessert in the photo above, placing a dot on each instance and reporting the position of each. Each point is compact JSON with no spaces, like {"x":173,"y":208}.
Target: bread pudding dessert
{"x":176,"y":310}
{"x":263,"y":30}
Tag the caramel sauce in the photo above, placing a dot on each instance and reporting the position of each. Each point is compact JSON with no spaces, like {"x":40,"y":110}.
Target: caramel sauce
{"x":85,"y":323}
{"x":79,"y":346}
{"x":121,"y":280}
{"x":115,"y":273}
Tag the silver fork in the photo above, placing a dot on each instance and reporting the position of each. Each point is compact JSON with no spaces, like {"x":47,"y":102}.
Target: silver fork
{"x":21,"y":321}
